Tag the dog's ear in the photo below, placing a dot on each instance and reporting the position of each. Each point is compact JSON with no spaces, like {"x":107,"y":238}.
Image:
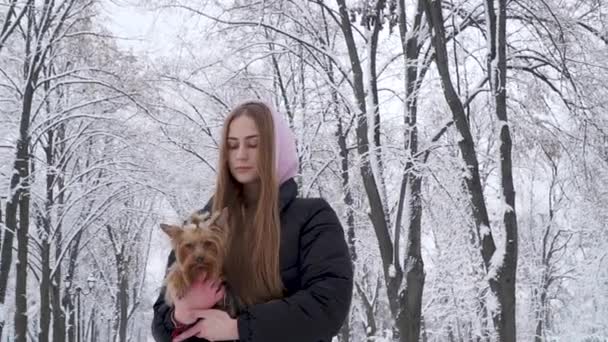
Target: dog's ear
{"x":219,"y":222}
{"x":173,"y":231}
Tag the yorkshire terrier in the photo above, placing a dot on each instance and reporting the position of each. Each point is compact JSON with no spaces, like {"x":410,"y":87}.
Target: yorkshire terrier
{"x":200,"y":250}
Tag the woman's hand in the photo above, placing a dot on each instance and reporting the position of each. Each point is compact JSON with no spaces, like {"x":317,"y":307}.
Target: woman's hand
{"x":215,"y":325}
{"x":203,"y":294}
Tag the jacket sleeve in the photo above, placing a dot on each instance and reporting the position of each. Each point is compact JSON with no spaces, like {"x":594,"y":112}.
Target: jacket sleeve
{"x":319,"y":308}
{"x":162,"y":325}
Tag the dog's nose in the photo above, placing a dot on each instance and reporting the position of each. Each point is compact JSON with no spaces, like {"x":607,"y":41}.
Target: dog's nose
{"x":199,"y":259}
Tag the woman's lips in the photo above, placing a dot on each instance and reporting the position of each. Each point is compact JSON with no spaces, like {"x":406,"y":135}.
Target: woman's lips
{"x":243,"y":169}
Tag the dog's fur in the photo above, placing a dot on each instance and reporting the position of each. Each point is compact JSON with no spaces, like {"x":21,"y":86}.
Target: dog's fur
{"x":200,"y":249}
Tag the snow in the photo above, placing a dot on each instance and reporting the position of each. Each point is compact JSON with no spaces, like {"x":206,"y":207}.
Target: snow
{"x":452,"y":263}
{"x":497,"y":261}
{"x":466,"y":173}
{"x":460,"y":137}
{"x":484,"y":230}
{"x":506,"y":208}
{"x":492,"y":302}
{"x":392,"y":272}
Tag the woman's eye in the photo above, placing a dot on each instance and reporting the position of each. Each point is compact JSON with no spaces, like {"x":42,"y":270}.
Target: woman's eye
{"x":233,"y":146}
{"x":252,"y":143}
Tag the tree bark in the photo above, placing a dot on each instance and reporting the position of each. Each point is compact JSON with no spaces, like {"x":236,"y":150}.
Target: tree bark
{"x":123,"y":302}
{"x":22,"y":166}
{"x":59,"y":317}
{"x":505,"y":275}
{"x":6,"y":259}
{"x":342,"y":135}
{"x":68,"y":303}
{"x":44,"y":226}
{"x":369,"y":180}
{"x":374,"y":22}
{"x":466,"y":145}
{"x":410,"y":298}
{"x":405,"y":307}
{"x":500,"y":267}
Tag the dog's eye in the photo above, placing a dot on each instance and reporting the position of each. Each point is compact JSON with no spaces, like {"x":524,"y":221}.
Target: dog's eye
{"x":189,"y":245}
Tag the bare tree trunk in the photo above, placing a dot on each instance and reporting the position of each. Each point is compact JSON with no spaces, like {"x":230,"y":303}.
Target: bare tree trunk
{"x":20,"y":168}
{"x":539,"y":335}
{"x":346,"y":187}
{"x":3,"y":282}
{"x":369,"y":307}
{"x":38,"y":41}
{"x":45,"y":286}
{"x":22,"y":165}
{"x":505,"y":275}
{"x":68,"y":303}
{"x":58,"y":314}
{"x":373,"y":21}
{"x":1,"y":225}
{"x":467,"y":147}
{"x":59,"y":317}
{"x":68,"y":307}
{"x":122,"y":298}
{"x":501,"y":268}
{"x":123,"y":302}
{"x":405,"y":306}
{"x":369,"y":180}
{"x":410,"y":299}
{"x":348,"y":204}
{"x":44,"y":225}
{"x":6,"y":254}
{"x":342,"y":135}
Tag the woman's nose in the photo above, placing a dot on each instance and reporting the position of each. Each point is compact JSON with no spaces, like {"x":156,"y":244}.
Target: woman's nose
{"x":241,"y":152}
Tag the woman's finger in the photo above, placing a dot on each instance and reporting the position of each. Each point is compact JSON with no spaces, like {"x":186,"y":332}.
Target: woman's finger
{"x":200,"y":314}
{"x":194,"y":330}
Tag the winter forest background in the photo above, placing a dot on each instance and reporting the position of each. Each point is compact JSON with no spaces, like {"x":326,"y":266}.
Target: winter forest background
{"x":464,"y":143}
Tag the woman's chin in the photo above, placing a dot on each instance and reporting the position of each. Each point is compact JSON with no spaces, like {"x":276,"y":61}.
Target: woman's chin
{"x":246,"y":178}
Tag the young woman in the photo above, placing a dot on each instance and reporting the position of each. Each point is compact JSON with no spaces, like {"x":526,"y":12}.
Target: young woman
{"x":287,"y":255}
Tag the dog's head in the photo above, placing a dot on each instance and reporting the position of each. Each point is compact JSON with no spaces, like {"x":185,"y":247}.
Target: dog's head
{"x":200,"y":244}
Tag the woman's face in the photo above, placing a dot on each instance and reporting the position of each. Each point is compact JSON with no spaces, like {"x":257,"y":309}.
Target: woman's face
{"x":243,"y":139}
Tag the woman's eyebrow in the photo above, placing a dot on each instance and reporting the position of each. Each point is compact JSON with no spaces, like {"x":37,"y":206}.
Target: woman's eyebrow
{"x":247,"y":137}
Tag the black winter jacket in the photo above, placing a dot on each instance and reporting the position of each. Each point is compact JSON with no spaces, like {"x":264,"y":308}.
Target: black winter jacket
{"x":315,"y":268}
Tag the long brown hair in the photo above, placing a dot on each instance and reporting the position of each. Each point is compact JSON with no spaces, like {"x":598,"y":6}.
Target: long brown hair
{"x":252,"y":265}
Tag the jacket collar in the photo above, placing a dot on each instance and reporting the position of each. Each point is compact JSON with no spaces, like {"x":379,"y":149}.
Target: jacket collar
{"x":287,"y":193}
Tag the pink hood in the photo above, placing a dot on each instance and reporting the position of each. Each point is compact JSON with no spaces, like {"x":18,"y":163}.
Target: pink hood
{"x":285,"y":145}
